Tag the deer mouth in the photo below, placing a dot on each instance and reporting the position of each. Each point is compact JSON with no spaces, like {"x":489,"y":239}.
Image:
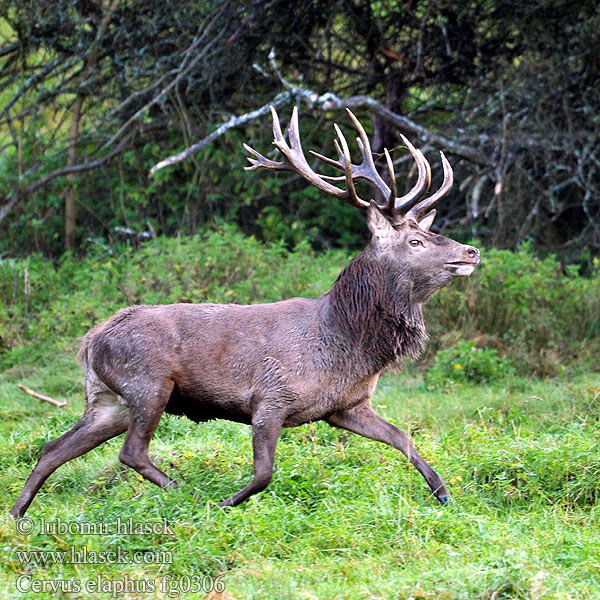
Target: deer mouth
{"x":461,"y":268}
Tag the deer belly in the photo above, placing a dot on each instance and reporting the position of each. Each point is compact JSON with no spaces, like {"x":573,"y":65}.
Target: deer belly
{"x":201,"y":405}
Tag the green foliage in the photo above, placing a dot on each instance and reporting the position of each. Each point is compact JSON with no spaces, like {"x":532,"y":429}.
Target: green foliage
{"x":515,"y":311}
{"x":533,"y":310}
{"x":168,"y":74}
{"x":519,"y":455}
{"x":466,"y":362}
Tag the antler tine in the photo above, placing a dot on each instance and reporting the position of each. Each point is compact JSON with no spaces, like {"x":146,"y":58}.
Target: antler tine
{"x":428,"y":169}
{"x":406,"y":202}
{"x":425,"y":205}
{"x":338,"y":164}
{"x":292,"y":130}
{"x":367,"y":169}
{"x":391,"y":207}
{"x":260,"y":161}
{"x":277,"y":133}
{"x":345,"y":153}
{"x":329,"y":161}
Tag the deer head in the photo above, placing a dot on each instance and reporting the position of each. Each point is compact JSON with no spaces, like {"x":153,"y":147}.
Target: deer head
{"x":416,"y":258}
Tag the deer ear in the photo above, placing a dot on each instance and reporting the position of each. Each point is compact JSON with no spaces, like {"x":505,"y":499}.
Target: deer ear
{"x":427,"y":220}
{"x":378,"y":224}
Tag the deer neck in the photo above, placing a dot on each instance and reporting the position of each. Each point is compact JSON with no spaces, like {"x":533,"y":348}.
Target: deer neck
{"x":371,"y":309}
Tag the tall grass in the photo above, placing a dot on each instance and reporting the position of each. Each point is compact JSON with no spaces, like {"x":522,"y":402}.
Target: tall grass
{"x":344,"y":517}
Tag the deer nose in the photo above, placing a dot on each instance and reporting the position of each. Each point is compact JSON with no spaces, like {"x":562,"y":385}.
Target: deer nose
{"x":473,"y":253}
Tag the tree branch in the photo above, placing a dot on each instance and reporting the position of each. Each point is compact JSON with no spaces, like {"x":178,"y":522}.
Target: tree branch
{"x":279,"y":100}
{"x":327,"y":102}
{"x":41,"y":396}
{"x":9,"y":49}
{"x":186,"y":66}
{"x":19,"y":195}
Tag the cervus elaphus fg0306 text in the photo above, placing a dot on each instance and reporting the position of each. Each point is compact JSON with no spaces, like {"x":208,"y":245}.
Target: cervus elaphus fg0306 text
{"x":281,"y":364}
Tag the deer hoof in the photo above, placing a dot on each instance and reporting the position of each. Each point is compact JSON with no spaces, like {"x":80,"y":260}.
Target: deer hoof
{"x":442,"y":498}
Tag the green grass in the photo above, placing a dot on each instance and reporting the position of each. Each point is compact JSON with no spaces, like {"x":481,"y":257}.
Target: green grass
{"x":344,"y":517}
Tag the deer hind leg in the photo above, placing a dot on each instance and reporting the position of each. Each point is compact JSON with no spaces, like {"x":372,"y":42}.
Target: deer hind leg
{"x":146,"y":408}
{"x":363,"y":419}
{"x":105,"y":417}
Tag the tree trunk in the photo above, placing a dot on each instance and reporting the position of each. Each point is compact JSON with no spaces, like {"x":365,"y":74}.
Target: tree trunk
{"x":384,"y":135}
{"x":71,"y":195}
{"x":108,"y":8}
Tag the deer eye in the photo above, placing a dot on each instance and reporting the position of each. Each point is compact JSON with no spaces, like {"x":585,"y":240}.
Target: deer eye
{"x":416,"y":243}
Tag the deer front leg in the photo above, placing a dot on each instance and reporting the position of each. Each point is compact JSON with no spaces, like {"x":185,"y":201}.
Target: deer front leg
{"x":362,"y":419}
{"x":265,"y":433}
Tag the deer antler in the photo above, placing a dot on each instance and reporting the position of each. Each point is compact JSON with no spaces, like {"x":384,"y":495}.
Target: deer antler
{"x":294,"y":160}
{"x":407,"y":206}
{"x":425,"y":205}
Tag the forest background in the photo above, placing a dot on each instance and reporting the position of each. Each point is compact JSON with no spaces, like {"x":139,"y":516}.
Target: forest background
{"x":94,"y":94}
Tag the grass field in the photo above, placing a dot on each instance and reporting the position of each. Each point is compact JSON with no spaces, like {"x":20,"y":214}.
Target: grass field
{"x":344,"y":518}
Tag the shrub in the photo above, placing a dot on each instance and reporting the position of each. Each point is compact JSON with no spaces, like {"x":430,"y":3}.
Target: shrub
{"x":466,"y":362}
{"x":531,"y":309}
{"x":535,"y":310}
{"x":62,"y":302}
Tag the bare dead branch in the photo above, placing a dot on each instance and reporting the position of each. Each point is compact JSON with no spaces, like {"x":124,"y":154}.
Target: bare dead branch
{"x":409,"y":126}
{"x":328,"y":102}
{"x":279,"y":100}
{"x":41,"y":396}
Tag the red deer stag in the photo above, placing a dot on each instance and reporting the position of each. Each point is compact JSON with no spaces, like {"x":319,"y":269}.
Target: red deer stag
{"x":281,"y":364}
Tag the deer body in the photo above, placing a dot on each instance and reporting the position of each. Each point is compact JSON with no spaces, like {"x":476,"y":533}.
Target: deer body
{"x":268,"y":365}
{"x":297,"y":380}
{"x":305,"y":358}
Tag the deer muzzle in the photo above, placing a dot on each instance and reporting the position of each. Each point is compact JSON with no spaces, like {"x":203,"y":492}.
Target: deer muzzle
{"x":464,"y":266}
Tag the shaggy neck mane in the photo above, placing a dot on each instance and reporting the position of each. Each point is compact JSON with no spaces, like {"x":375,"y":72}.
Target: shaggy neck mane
{"x":372,"y":307}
